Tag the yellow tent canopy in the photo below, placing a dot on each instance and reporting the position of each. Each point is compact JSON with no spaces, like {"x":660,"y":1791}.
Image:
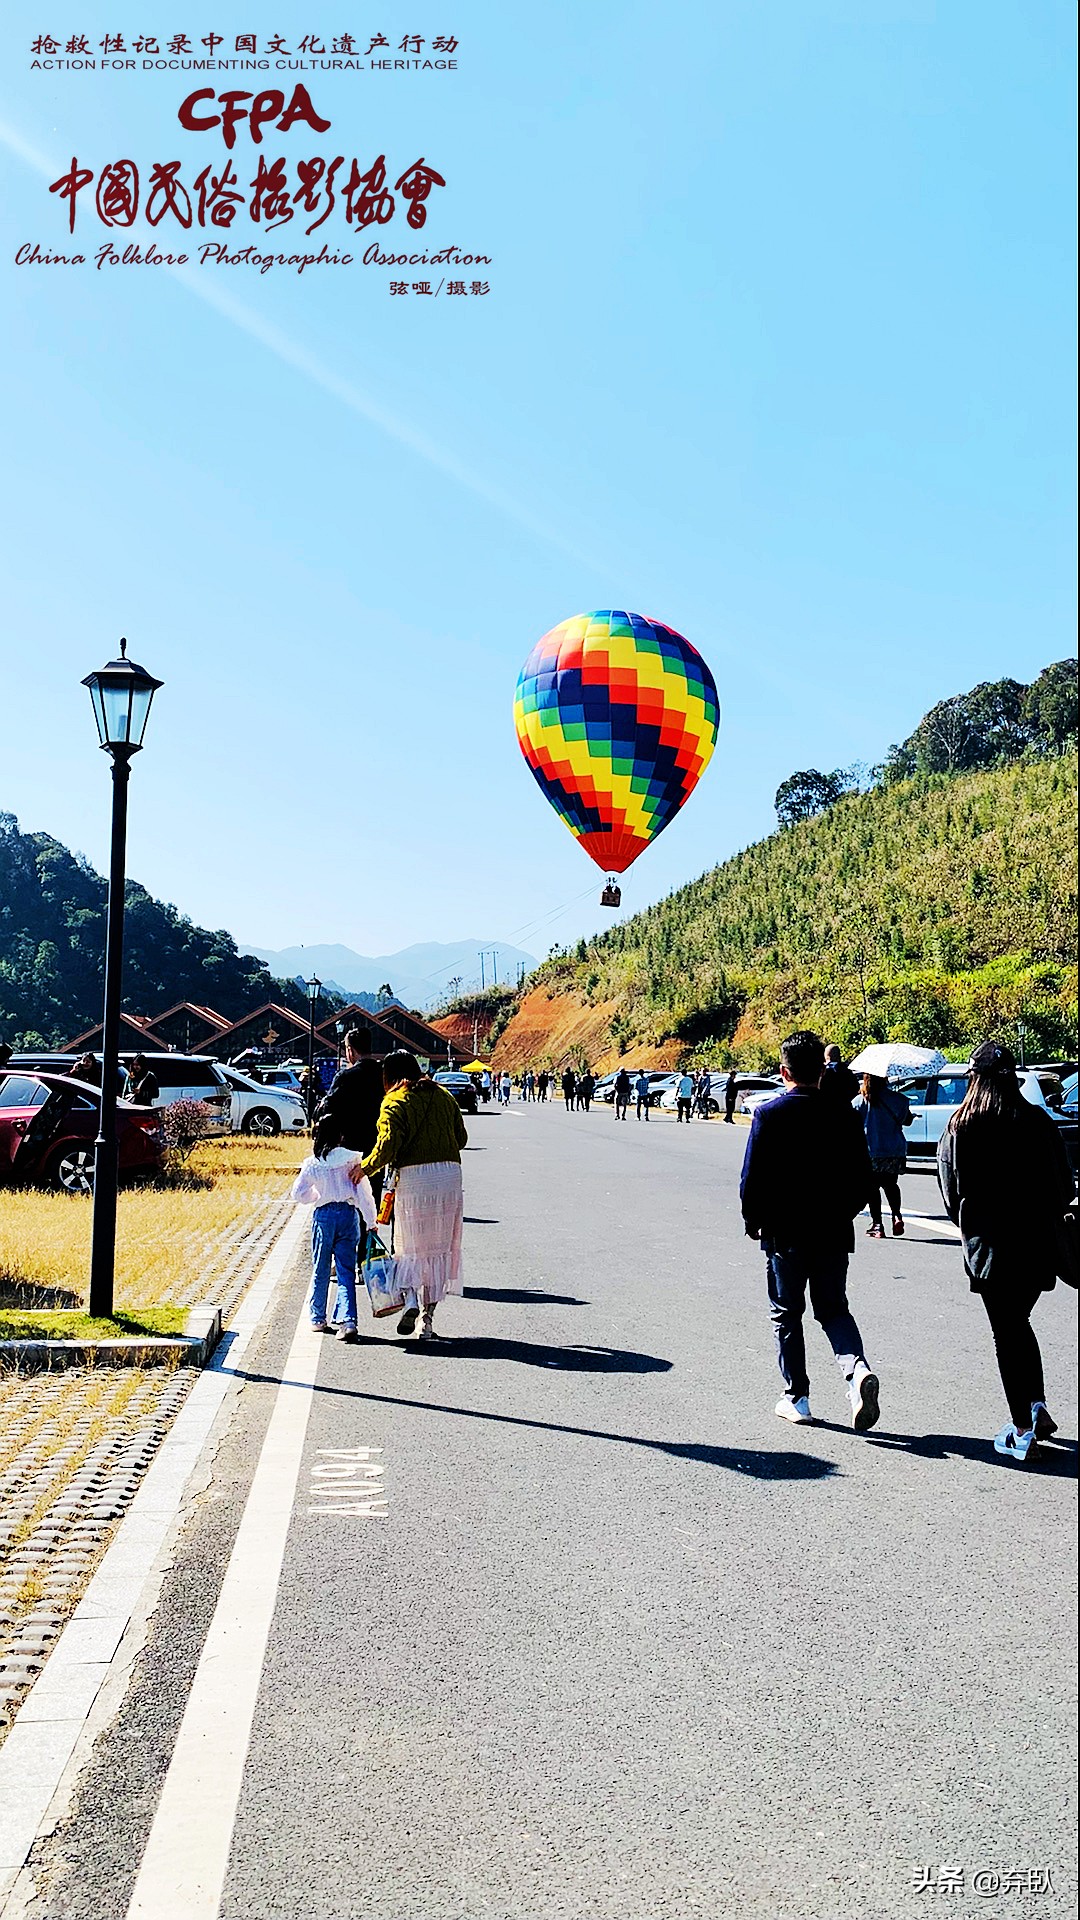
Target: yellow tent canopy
{"x":475,"y":1066}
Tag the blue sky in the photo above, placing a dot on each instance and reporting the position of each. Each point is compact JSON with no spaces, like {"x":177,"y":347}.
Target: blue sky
{"x":777,"y":349}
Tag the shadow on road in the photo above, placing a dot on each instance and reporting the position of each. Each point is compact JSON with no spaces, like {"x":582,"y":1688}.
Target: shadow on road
{"x":1054,"y":1458}
{"x":759,"y":1464}
{"x":530,"y":1353}
{"x":478,"y":1220}
{"x":523,"y":1297}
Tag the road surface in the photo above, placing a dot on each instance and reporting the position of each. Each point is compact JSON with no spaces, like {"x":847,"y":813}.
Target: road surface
{"x":569,"y":1624}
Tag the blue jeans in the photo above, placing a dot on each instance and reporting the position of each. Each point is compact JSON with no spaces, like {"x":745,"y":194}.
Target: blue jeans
{"x":335,"y":1235}
{"x":791,"y":1271}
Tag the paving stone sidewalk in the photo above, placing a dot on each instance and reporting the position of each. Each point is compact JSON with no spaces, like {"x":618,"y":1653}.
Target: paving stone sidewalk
{"x":74,"y":1447}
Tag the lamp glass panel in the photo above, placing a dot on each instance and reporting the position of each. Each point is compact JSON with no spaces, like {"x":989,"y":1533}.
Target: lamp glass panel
{"x":140,"y":709}
{"x":99,"y":711}
{"x":116,"y":705}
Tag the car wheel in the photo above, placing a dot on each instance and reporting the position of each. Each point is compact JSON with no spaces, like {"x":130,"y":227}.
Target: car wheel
{"x":72,"y":1170}
{"x":263,"y":1122}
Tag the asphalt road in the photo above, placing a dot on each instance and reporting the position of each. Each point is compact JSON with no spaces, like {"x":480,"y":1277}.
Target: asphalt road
{"x":625,"y":1645}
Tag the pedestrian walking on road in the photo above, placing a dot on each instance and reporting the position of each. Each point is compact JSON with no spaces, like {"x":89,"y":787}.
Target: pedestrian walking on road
{"x":805,"y":1176}
{"x":731,"y":1094}
{"x":684,"y":1097}
{"x":506,"y":1087}
{"x":884,"y":1114}
{"x":642,"y":1089}
{"x":586,"y":1087}
{"x":543,"y":1080}
{"x":1006,"y":1182}
{"x":355,"y":1099}
{"x":569,"y":1088}
{"x":622,"y":1093}
{"x":330,"y":1181}
{"x":837,"y":1078}
{"x":702,"y":1093}
{"x":421,"y":1134}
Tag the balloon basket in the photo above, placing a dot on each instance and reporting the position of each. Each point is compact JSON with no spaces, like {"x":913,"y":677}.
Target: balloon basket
{"x":612,"y":895}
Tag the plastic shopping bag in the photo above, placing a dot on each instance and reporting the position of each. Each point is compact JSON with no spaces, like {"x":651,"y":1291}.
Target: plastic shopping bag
{"x":380,"y":1278}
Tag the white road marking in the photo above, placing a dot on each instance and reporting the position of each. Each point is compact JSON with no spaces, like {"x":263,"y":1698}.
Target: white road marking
{"x":187,"y":1854}
{"x":341,"y":1472}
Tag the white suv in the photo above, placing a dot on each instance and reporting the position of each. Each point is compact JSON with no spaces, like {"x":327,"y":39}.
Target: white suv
{"x":262,"y":1110}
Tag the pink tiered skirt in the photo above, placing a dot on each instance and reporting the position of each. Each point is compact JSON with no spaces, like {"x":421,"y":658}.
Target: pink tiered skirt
{"x":427,"y":1230}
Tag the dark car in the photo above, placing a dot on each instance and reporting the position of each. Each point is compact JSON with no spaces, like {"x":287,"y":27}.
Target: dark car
{"x":463,"y":1088}
{"x":48,"y":1124}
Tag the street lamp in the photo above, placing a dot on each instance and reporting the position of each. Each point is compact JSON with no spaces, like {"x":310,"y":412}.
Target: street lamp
{"x":312,"y":986}
{"x":120,"y":693}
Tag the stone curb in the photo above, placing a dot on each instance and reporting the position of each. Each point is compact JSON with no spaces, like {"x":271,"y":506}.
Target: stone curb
{"x":192,"y":1348}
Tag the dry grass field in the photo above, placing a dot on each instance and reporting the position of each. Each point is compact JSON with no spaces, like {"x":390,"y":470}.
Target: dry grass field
{"x":165,"y":1235}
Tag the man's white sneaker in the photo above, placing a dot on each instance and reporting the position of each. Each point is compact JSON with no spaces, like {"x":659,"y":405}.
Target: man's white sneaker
{"x":865,"y":1411}
{"x":797,"y":1411}
{"x":1014,"y":1445}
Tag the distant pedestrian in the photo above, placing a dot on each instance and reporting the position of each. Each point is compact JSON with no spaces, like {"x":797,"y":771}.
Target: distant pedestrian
{"x":528,"y":1084}
{"x":838,"y":1079}
{"x":805,"y":1176}
{"x":543,"y":1081}
{"x":342,"y":1207}
{"x":506,"y":1087}
{"x":623,"y":1091}
{"x":702,"y":1093}
{"x":485,"y":1085}
{"x":684,"y":1097}
{"x":1006,"y":1183}
{"x":731,"y":1094}
{"x":642,"y":1091}
{"x":421,"y":1134}
{"x":143,"y":1084}
{"x":586,"y":1087}
{"x":569,"y":1088}
{"x":884,"y":1114}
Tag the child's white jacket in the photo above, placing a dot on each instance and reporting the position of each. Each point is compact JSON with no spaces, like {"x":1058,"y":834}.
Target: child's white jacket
{"x":324,"y":1183}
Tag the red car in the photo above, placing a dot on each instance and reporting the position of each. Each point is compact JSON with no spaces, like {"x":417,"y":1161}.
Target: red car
{"x":48,"y":1124}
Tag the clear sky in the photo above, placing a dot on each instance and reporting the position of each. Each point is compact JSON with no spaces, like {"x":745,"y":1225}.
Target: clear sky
{"x":777,"y":349}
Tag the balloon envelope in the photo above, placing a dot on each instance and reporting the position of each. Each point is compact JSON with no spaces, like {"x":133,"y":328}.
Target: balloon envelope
{"x":617,"y":717}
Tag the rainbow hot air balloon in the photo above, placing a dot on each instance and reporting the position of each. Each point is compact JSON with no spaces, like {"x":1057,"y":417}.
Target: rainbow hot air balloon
{"x":617,"y":717}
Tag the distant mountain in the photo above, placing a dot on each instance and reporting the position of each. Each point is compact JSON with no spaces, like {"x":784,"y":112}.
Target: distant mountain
{"x":420,"y":975}
{"x":52,"y":945}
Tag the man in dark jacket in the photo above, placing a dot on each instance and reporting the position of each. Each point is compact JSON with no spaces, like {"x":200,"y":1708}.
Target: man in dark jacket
{"x":838,"y":1079}
{"x":355,"y":1097}
{"x":805,"y":1176}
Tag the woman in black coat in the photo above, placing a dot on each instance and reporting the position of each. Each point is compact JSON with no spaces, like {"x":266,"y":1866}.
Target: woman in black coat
{"x":1006,"y":1182}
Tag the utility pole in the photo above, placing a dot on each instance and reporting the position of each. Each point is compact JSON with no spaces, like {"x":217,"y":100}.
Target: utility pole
{"x":483,"y":982}
{"x":495,"y":966}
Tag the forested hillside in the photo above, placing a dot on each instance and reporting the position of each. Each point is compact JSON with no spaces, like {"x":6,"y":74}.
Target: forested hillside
{"x":52,"y":945}
{"x":938,"y":909}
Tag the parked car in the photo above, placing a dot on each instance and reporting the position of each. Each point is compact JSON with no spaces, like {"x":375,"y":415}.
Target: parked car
{"x":462,"y":1087}
{"x":280,"y":1079}
{"x":753,"y":1089}
{"x":180,"y":1076}
{"x":48,"y":1124}
{"x":933,"y":1097}
{"x":261,"y":1110}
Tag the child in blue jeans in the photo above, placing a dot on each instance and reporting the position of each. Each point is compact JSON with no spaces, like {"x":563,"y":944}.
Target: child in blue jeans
{"x":337,"y":1225}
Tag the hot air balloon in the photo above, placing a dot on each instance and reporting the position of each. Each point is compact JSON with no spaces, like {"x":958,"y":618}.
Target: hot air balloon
{"x":617,"y":717}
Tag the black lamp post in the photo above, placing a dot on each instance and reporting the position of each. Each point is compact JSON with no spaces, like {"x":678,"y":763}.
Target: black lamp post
{"x":120,"y":694}
{"x":312,"y":986}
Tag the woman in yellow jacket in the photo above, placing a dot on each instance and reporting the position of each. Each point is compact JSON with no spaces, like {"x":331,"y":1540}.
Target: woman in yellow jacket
{"x":421,"y":1134}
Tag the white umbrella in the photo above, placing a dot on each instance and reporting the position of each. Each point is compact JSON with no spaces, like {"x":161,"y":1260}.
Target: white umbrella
{"x":893,"y":1059}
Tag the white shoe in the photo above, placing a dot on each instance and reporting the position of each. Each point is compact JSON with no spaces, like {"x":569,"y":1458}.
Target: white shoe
{"x":1016,"y":1446}
{"x":865,"y":1411}
{"x":797,"y":1411}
